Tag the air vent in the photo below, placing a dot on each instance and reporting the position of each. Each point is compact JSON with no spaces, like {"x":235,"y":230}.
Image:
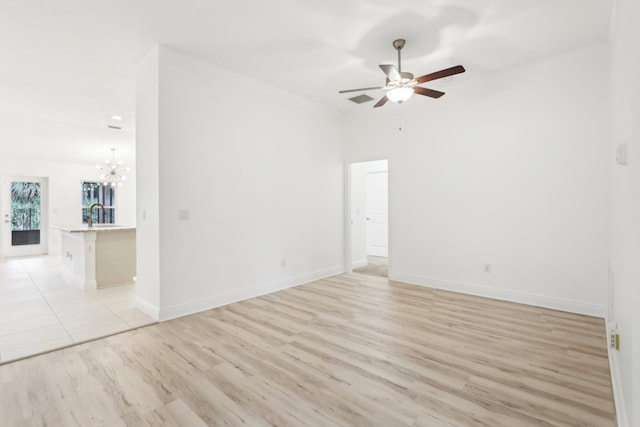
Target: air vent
{"x":114,"y":127}
{"x":360,"y":99}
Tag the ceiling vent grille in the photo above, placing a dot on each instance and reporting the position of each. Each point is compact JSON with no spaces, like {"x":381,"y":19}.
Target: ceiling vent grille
{"x":360,"y":99}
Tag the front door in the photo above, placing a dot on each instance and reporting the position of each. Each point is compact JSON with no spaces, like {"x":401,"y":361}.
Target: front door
{"x":377,"y":214}
{"x":25,"y":223}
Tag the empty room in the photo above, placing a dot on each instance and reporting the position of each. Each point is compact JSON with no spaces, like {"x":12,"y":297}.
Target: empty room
{"x":361,"y":213}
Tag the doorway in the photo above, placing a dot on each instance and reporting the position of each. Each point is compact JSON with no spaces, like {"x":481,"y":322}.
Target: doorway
{"x":369,"y":218}
{"x":25,"y":226}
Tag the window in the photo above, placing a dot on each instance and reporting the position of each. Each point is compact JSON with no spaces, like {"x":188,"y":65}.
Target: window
{"x":96,"y":192}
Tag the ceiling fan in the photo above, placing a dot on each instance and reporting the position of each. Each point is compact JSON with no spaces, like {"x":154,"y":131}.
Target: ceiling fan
{"x":400,"y":85}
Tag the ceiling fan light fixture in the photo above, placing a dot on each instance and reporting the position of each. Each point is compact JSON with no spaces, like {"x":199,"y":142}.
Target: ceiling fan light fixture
{"x":400,"y":94}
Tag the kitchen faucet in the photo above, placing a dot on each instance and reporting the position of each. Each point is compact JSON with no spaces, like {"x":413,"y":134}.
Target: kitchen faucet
{"x":104,"y":213}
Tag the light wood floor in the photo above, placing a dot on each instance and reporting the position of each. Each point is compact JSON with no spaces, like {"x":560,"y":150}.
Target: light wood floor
{"x":376,"y":266}
{"x":352,"y":350}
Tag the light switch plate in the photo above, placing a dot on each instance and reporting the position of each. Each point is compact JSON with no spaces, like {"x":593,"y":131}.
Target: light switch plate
{"x":183,"y":214}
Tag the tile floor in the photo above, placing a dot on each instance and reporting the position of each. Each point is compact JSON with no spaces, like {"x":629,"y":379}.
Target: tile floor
{"x":40,"y":311}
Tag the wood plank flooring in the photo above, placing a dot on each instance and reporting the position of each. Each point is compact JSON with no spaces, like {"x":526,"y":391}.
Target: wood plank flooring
{"x":376,"y":266}
{"x":351,"y":350}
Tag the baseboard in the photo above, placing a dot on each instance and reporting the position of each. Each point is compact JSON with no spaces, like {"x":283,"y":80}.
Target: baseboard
{"x":184,"y":309}
{"x":147,"y":308}
{"x":562,"y":304}
{"x":616,"y":384}
{"x":359,"y":263}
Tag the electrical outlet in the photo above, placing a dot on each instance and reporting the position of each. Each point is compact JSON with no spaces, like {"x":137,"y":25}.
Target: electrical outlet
{"x":487,"y":268}
{"x":283,"y":263}
{"x":614,"y":338}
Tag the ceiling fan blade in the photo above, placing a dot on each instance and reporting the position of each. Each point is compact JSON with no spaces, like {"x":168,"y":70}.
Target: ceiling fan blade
{"x":427,"y":92}
{"x":382,"y":101}
{"x":440,"y":74}
{"x":360,"y":90}
{"x":391,"y":71}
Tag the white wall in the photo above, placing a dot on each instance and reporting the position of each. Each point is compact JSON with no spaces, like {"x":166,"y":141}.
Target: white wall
{"x":509,"y":170}
{"x":259,"y":173}
{"x":65,"y":201}
{"x":625,"y":204}
{"x":148,"y":281}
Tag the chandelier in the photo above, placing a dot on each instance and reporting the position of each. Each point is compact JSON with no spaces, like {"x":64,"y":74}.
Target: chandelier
{"x":112,"y":172}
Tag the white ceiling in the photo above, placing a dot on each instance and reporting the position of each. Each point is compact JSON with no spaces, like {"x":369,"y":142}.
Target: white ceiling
{"x":65,"y":63}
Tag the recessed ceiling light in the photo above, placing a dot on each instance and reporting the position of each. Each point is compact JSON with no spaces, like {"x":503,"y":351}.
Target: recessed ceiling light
{"x":116,"y":117}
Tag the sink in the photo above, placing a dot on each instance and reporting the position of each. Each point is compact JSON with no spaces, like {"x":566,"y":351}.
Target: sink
{"x":105,"y":226}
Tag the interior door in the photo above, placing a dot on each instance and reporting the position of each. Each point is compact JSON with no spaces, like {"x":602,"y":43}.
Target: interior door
{"x":377,"y":214}
{"x":25,"y":223}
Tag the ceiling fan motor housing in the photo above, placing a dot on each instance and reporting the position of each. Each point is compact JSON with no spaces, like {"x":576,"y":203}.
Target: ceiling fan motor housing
{"x":405,"y":77}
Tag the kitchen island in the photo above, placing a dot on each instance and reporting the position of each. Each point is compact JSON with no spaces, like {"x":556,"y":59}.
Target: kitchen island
{"x":99,"y":256}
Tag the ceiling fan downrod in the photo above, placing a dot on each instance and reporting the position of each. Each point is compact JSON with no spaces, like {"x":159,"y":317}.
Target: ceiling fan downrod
{"x":398,"y":45}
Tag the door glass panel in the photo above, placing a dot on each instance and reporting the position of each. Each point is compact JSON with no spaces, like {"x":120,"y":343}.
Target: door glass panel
{"x":25,"y":213}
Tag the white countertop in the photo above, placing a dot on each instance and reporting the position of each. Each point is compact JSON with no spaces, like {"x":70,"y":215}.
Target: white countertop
{"x":81,"y":228}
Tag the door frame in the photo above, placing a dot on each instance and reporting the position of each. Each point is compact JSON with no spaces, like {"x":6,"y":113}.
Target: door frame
{"x":5,"y":199}
{"x":348,"y":266}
